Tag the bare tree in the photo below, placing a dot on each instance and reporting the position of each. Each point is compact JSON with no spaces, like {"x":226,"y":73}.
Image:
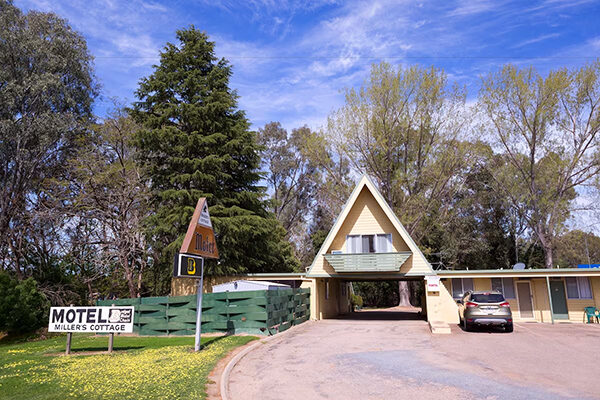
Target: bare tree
{"x":112,"y":191}
{"x":290,"y":175}
{"x":548,"y":127}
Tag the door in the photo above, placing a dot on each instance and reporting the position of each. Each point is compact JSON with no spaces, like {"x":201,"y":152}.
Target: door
{"x":559,"y":300}
{"x":525,"y":303}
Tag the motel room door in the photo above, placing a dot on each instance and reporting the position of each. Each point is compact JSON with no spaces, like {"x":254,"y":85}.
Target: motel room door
{"x":559,"y":300}
{"x":525,"y":302}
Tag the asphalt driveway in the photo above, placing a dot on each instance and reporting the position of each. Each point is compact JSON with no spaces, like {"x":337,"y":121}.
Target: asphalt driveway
{"x":395,"y":356}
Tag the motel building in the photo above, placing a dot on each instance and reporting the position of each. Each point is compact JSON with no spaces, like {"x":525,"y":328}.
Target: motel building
{"x":368,"y":243}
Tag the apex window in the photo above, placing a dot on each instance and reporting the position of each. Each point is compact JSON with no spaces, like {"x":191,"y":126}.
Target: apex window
{"x":380,"y":243}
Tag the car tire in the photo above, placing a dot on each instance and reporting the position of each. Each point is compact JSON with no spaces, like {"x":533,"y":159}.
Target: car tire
{"x":508,"y":328}
{"x":467,"y":325}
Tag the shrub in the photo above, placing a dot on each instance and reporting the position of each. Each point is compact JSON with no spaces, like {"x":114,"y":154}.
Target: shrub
{"x":356,"y":300}
{"x":378,"y":294}
{"x":23,"y":308}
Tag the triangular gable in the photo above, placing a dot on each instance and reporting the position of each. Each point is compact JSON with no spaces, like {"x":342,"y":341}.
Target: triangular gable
{"x":365,"y":181}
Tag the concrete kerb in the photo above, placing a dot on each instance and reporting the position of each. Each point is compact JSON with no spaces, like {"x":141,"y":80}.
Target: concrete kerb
{"x":224,"y":386}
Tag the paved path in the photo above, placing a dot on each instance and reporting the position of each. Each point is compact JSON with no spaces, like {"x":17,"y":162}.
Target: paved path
{"x":373,"y":358}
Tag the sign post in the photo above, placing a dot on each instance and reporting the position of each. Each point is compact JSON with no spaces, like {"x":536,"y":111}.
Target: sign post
{"x":111,"y":339}
{"x":69,"y":338}
{"x":199,"y":310}
{"x":199,"y":243}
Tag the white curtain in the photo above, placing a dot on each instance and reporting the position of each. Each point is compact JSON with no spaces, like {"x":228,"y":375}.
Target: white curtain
{"x":585,"y":292}
{"x":384,"y":243}
{"x":353,"y":244}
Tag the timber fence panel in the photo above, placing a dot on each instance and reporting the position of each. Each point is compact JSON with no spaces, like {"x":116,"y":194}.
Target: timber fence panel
{"x":257,"y":312}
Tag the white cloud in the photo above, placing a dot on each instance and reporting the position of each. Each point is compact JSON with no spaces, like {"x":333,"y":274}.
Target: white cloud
{"x":154,"y":6}
{"x":471,"y":7}
{"x":536,"y":40}
{"x":139,"y":50}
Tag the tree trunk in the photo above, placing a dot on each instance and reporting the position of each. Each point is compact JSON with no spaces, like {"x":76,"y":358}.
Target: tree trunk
{"x":549,"y":257}
{"x":139,"y":283}
{"x":130,"y":282}
{"x":404,"y":294}
{"x":547,"y":247}
{"x":90,"y":291}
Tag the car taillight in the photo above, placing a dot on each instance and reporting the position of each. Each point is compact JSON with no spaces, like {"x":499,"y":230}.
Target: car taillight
{"x":471,"y":304}
{"x":505,"y":304}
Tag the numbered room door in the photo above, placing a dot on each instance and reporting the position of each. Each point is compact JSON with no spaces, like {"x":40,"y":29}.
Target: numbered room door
{"x":559,"y":300}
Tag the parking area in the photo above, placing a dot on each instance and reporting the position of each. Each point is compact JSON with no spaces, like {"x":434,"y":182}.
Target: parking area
{"x":387,"y":357}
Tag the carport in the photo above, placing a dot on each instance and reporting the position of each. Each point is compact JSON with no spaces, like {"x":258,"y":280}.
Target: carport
{"x":366,"y":243}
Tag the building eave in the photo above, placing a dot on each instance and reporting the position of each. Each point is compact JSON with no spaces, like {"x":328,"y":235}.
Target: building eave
{"x":525,"y":273}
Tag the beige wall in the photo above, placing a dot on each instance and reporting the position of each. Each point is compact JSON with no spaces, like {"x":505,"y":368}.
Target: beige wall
{"x":311,"y":284}
{"x":328,"y":307}
{"x":367,"y":217}
{"x":541,"y":304}
{"x":187,"y":286}
{"x":441,"y":307}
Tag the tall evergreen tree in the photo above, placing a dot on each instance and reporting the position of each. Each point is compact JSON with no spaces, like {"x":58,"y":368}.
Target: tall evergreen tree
{"x":197,"y":143}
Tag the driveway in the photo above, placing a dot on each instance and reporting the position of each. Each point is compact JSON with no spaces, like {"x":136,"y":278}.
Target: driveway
{"x":392,"y":356}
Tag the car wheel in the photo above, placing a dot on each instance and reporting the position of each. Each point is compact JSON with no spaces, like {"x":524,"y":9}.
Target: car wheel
{"x":466,"y":325}
{"x":508,"y":328}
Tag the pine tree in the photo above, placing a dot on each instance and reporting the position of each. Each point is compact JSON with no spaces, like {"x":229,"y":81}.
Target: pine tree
{"x":195,"y":143}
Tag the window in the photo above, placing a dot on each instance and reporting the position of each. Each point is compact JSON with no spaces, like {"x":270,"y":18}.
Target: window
{"x":460,"y":286}
{"x":353,"y":244}
{"x":578,"y":288}
{"x":368,"y":243}
{"x":505,"y":286}
{"x":326,"y":290}
{"x":487,"y":298}
{"x":381,"y":243}
{"x":384,"y":243}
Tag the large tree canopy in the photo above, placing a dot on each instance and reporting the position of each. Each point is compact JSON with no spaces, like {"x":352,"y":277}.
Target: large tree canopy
{"x":46,"y":94}
{"x":196,"y":143}
{"x":549,"y":129}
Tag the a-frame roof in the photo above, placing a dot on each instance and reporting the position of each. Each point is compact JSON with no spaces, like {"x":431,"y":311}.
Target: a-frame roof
{"x":365,"y":181}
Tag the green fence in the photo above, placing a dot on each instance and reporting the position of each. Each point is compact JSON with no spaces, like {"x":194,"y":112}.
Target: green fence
{"x":258,"y":312}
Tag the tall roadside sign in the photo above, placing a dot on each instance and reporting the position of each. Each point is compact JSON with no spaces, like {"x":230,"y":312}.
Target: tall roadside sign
{"x":200,"y":237}
{"x":199,"y":243}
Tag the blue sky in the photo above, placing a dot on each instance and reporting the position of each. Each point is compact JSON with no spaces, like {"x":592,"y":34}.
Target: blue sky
{"x":292,"y":59}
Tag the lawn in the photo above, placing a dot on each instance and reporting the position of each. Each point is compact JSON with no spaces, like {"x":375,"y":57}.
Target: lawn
{"x":140,"y":367}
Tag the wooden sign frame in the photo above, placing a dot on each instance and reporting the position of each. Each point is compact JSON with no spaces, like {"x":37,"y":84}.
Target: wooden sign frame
{"x":200,"y":237}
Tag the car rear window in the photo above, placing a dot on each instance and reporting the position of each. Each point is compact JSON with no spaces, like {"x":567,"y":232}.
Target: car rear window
{"x":487,"y":298}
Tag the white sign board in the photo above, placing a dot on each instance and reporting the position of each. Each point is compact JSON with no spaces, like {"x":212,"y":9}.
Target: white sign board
{"x":113,"y":319}
{"x":204,"y":219}
{"x":433,"y":283}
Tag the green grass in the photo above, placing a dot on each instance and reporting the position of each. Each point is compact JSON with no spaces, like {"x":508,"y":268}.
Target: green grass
{"x":140,"y":368}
